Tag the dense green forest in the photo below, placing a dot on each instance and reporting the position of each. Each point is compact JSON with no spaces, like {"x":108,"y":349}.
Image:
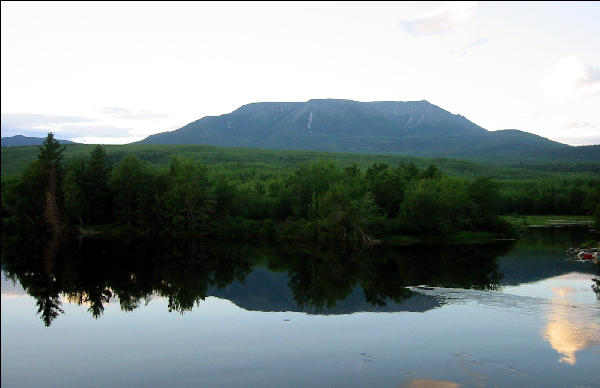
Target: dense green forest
{"x":251,"y":161}
{"x":347,"y":199}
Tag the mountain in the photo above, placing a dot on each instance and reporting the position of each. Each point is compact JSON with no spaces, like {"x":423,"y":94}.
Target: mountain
{"x":264,"y":290}
{"x":20,"y":140}
{"x":416,"y":128}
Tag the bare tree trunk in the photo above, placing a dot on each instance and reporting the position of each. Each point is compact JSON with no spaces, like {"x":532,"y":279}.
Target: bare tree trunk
{"x":368,"y":240}
{"x":51,"y":210}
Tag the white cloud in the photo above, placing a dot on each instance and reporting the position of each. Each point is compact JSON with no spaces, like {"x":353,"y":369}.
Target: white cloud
{"x":77,"y":130}
{"x":578,"y":124}
{"x":16,"y":123}
{"x":67,"y":127}
{"x":578,"y":140}
{"x":581,"y":133}
{"x":569,"y":77}
{"x":440,"y":19}
{"x":208,"y":60}
{"x":130,"y":114}
{"x":475,"y":43}
{"x":590,"y":83}
{"x":107,"y":139}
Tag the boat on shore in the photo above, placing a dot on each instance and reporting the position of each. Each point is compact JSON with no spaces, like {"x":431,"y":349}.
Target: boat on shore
{"x":584,"y":253}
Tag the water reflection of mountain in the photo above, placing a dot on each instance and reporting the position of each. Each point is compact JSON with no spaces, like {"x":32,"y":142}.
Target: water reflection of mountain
{"x":265,"y":290}
{"x":311,"y":279}
{"x":330,"y":280}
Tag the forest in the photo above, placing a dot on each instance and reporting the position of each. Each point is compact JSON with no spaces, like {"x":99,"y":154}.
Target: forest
{"x":316,"y":200}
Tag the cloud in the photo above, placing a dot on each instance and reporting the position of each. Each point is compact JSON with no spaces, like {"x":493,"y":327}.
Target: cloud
{"x":590,"y":82}
{"x":569,"y":77}
{"x":579,"y":133}
{"x":78,"y":130}
{"x":107,"y":139}
{"x":440,"y":19}
{"x":585,"y":124}
{"x":475,"y":43}
{"x":17,"y":123}
{"x":67,"y":127}
{"x":578,"y":140}
{"x":130,"y":114}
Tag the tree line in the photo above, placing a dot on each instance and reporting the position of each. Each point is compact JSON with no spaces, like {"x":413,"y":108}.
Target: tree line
{"x":317,"y":200}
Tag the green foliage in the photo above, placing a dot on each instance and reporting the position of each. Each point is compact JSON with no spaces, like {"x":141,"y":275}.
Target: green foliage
{"x":422,"y":208}
{"x":88,"y":198}
{"x":284,"y":195}
{"x":309,"y":182}
{"x":388,"y":185}
{"x":345,"y":216}
{"x":431,"y":172}
{"x":247,"y":162}
{"x":595,"y":204}
{"x":95,"y":186}
{"x":485,"y":197}
{"x":135,"y":190}
{"x":29,"y":195}
{"x":189,"y":200}
{"x":51,"y":151}
{"x":548,"y":196}
{"x":76,"y":203}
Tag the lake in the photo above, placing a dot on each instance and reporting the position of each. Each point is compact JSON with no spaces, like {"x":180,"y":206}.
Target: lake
{"x":98,"y":313}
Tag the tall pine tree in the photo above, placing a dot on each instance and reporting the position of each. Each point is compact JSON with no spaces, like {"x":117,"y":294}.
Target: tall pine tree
{"x":50,"y":156}
{"x":94,"y":184}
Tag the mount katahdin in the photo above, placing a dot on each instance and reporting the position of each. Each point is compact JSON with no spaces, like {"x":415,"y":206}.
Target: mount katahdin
{"x":416,"y":128}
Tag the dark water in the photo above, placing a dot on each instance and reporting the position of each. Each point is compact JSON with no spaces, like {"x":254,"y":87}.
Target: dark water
{"x":97,"y":313}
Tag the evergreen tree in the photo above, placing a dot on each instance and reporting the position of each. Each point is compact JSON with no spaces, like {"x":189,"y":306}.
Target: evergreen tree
{"x":50,"y":156}
{"x":94,"y":184}
{"x":51,"y":152}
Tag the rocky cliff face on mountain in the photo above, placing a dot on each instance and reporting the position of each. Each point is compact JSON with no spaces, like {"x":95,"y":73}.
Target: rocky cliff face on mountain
{"x":383,"y":127}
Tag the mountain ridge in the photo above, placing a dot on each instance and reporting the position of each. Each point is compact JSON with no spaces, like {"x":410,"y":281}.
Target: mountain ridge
{"x":20,"y":140}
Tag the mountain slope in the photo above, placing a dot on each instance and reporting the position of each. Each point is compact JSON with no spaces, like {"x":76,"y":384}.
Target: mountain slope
{"x":416,"y":128}
{"x":20,"y":140}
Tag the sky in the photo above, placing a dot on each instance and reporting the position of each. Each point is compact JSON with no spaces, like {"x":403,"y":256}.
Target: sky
{"x":113,"y":73}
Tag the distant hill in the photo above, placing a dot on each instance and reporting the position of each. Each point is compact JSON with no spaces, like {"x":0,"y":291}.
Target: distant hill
{"x":20,"y":140}
{"x":247,"y":161}
{"x":416,"y":128}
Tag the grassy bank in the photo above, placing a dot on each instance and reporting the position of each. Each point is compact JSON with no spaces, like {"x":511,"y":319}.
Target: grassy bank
{"x":547,"y":220}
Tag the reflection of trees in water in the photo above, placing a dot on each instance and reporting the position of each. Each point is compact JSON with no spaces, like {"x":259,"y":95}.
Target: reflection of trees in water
{"x":94,"y":272}
{"x":33,"y":264}
{"x":98,"y":272}
{"x":596,"y":281}
{"x":49,"y":302}
{"x":553,"y":238}
{"x":321,"y":278}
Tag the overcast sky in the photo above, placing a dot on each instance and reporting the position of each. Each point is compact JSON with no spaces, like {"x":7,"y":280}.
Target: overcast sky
{"x":115,"y":73}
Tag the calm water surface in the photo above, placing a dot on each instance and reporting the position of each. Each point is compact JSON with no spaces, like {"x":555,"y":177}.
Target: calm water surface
{"x":190,"y":314}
